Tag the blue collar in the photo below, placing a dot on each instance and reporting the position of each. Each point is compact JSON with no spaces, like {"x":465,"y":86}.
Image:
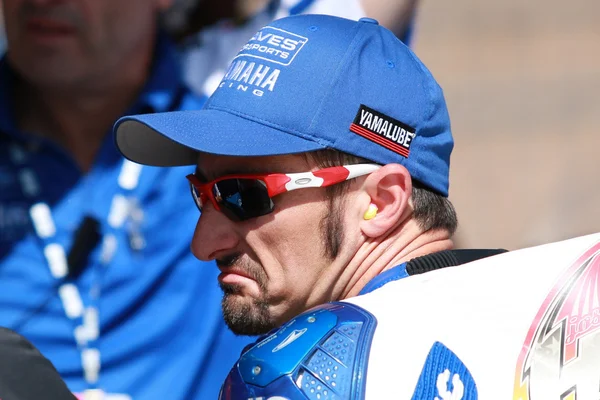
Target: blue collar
{"x":163,"y":88}
{"x":393,"y":274}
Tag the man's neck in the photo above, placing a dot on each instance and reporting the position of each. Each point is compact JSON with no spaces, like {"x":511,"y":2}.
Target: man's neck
{"x":381,"y":254}
{"x":77,"y":118}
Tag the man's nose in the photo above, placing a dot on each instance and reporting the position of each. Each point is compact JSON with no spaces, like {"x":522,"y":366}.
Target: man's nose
{"x":214,"y":235}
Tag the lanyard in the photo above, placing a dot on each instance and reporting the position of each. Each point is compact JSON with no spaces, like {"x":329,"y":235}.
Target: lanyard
{"x":124,"y":209}
{"x":85,"y":317}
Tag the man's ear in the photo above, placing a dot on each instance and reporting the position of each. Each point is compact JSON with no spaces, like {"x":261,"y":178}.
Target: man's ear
{"x":390,"y":189}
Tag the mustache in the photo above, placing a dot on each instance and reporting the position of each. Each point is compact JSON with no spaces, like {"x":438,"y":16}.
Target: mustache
{"x":228,"y":261}
{"x":60,"y":13}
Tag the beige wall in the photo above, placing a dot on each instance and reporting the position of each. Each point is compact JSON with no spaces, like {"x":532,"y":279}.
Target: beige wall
{"x":522,"y":81}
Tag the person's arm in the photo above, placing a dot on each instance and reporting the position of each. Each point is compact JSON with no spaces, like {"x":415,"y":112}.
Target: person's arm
{"x":25,"y":374}
{"x":396,"y":15}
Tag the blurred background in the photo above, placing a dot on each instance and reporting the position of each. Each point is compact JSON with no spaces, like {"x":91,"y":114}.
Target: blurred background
{"x":522,"y":82}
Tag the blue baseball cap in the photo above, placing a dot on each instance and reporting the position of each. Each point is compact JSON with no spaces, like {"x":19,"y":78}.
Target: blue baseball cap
{"x":307,"y":83}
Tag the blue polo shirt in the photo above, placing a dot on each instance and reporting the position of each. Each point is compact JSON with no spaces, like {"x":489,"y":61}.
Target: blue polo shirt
{"x":162,"y":335}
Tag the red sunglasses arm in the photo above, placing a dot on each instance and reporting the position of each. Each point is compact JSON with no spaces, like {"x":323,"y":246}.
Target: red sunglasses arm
{"x":332,"y":175}
{"x":276,"y":183}
{"x":280,"y":183}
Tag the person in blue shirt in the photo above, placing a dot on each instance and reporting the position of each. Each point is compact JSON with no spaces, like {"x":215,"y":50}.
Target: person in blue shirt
{"x":95,"y":267}
{"x":322,"y":173}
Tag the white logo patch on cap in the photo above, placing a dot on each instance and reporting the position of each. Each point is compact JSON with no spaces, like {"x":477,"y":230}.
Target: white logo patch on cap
{"x":273,"y":44}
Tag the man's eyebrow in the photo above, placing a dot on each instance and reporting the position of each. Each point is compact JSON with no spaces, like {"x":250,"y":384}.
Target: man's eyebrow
{"x":200,"y":175}
{"x":231,"y":171}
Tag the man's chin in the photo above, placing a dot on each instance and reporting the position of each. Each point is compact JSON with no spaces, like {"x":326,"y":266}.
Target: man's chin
{"x":245,"y":316}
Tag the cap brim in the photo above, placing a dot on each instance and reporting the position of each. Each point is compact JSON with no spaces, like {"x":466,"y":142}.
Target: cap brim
{"x":175,"y":138}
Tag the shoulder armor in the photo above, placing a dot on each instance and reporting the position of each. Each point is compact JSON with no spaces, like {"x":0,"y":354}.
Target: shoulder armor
{"x":320,"y":355}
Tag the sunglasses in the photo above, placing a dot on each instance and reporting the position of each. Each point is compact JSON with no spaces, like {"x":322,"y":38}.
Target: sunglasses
{"x":241,"y":197}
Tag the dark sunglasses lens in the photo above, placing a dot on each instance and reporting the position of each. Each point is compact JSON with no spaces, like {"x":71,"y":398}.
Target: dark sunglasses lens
{"x":241,"y":199}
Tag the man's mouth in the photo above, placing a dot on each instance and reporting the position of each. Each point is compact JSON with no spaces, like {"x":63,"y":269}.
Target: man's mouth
{"x":234,"y":276}
{"x":236,"y":271}
{"x":230,"y":269}
{"x":48,"y":27}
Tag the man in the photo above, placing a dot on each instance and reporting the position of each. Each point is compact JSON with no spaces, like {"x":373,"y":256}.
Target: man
{"x":316,"y":92}
{"x":366,"y":228}
{"x":95,"y":267}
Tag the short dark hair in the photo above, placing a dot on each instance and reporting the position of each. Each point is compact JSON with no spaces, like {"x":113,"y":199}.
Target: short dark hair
{"x":432,"y":211}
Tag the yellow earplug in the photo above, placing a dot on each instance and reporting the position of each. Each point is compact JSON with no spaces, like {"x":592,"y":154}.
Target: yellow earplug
{"x":371,"y":212}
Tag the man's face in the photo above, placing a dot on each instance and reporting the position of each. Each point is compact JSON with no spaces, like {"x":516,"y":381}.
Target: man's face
{"x":64,"y":42}
{"x":277,"y":265}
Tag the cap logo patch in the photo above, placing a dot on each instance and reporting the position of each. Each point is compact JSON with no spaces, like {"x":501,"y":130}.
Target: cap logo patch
{"x":243,"y":75}
{"x":273,"y":44}
{"x":383,"y":130}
